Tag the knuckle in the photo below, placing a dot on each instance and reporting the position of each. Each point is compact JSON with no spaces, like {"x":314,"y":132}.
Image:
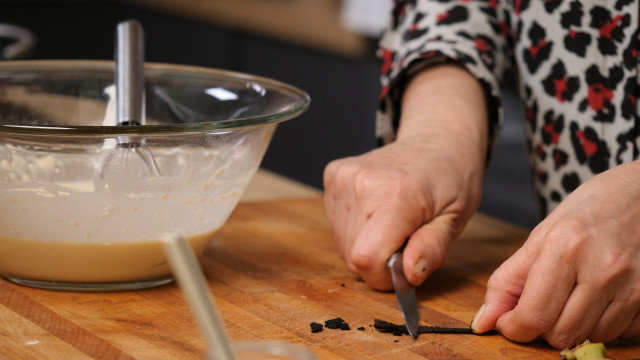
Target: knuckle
{"x":503,"y":280}
{"x":327,"y":178}
{"x":494,"y":281}
{"x":537,"y":231}
{"x":364,"y":264}
{"x":399,"y":186}
{"x":343,"y":170}
{"x":571,"y":240}
{"x":618,"y":265}
{"x":362,"y":260}
{"x":351,"y":267}
{"x":497,"y":279}
{"x":363,"y":179}
{"x":396,"y":187}
{"x":540,"y":322}
{"x":564,"y":337}
{"x":437,"y":252}
{"x":633,"y":294}
{"x":528,"y":326}
{"x":572,"y":236}
{"x":332,"y":169}
{"x":562,"y":340}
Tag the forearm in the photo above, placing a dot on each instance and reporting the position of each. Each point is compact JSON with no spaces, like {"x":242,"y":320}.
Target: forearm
{"x":445,"y":104}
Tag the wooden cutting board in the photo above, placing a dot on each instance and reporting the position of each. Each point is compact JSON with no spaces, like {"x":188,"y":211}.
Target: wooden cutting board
{"x":273,"y":270}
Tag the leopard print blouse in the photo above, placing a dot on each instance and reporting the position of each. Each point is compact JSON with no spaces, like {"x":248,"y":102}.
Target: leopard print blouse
{"x":577,"y":65}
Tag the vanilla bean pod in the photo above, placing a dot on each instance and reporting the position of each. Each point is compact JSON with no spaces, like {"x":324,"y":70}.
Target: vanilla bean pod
{"x":399,"y":330}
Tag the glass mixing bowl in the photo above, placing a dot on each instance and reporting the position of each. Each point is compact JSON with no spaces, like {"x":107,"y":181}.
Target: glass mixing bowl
{"x":80,"y":207}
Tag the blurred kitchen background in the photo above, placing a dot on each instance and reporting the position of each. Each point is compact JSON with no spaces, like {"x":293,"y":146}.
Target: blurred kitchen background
{"x":326,"y":47}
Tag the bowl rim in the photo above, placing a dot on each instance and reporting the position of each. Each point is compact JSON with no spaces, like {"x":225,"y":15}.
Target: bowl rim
{"x":301,"y":100}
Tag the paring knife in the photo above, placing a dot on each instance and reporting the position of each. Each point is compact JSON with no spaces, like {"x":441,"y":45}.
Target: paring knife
{"x":405,"y":293}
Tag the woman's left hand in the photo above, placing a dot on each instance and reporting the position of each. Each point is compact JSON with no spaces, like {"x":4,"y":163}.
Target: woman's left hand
{"x":577,"y":276}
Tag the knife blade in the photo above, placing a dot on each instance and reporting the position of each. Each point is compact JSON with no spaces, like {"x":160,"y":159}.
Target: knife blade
{"x":405,"y":293}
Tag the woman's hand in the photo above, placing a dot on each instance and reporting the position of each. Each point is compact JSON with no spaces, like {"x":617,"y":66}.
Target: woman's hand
{"x":424,"y":186}
{"x":407,"y":189}
{"x":577,"y":277}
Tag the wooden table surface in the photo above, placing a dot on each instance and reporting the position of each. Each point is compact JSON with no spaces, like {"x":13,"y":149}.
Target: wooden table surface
{"x":273,"y":270}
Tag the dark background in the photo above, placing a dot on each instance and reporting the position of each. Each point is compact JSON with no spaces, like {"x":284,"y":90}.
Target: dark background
{"x":344,"y":90}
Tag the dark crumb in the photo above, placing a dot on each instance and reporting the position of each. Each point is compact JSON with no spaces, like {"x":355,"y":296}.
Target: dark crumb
{"x":361,"y":328}
{"x":399,"y":330}
{"x":344,"y":326}
{"x":333,"y":323}
{"x":343,"y":285}
{"x":396,"y":340}
{"x":315,"y":327}
{"x":387,"y":327}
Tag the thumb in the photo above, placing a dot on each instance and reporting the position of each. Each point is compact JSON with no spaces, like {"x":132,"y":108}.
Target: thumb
{"x":427,"y":249}
{"x":503,"y":290}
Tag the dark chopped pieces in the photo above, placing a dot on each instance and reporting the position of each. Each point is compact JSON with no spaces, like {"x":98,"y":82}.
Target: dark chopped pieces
{"x":399,"y":330}
{"x":333,"y":323}
{"x":343,"y":285}
{"x":361,"y":328}
{"x":315,"y":327}
{"x":387,"y":327}
{"x":396,"y":340}
{"x":344,"y":326}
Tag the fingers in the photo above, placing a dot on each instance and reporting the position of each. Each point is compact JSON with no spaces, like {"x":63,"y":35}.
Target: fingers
{"x":355,"y":220}
{"x":590,"y":315}
{"x":330,"y":197}
{"x":340,"y":225}
{"x":503,"y":290}
{"x":633,"y":330}
{"x":506,"y":284}
{"x":545,"y":293}
{"x":582,"y":281}
{"x":339,"y":203}
{"x":372,"y":210}
{"x":581,"y":312}
{"x":621,"y":316}
{"x":376,"y":200}
{"x":615,"y":320}
{"x":427,"y":248}
{"x":381,"y":235}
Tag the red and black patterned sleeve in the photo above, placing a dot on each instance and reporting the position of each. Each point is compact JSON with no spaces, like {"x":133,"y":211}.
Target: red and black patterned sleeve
{"x":420,"y":33}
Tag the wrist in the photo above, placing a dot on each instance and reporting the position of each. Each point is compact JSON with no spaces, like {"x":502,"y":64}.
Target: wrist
{"x":445,"y":105}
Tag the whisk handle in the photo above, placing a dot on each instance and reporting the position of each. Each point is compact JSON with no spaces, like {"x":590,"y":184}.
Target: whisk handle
{"x":129,"y":72}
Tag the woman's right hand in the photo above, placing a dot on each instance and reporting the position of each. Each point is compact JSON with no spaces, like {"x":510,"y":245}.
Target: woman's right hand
{"x":423,"y":187}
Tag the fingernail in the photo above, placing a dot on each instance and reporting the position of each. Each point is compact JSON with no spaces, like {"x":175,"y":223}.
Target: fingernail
{"x":420,"y":269}
{"x":477,"y":318}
